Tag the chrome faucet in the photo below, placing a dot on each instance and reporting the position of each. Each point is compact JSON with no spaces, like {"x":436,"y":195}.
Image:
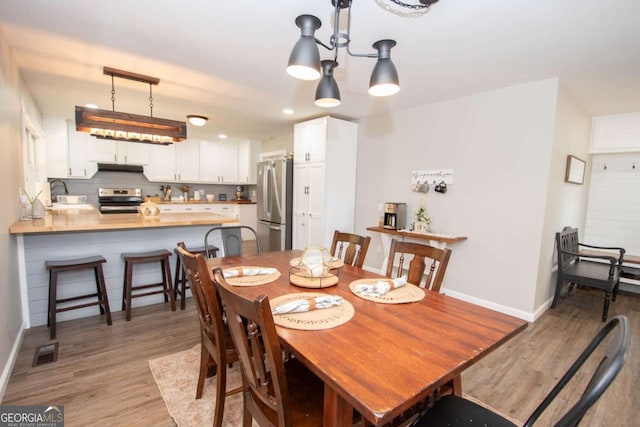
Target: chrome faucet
{"x":64,"y":184}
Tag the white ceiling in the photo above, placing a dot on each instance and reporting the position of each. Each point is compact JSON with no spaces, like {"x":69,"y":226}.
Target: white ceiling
{"x":226,"y":59}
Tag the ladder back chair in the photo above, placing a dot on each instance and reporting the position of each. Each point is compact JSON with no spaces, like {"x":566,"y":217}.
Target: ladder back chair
{"x":276,"y":393}
{"x":356,"y":249}
{"x":421,"y":255}
{"x":216,"y":345}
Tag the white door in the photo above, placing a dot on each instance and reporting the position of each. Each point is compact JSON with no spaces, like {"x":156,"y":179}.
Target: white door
{"x":300,"y":206}
{"x":316,"y":205}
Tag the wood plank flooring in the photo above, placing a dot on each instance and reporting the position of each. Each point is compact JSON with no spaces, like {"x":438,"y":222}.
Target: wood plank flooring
{"x":102,"y":375}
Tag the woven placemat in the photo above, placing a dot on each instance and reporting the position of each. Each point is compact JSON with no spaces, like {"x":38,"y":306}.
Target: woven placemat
{"x":261,"y":279}
{"x":299,"y":279}
{"x":404,"y":294}
{"x":314,"y":320}
{"x":336,"y":263}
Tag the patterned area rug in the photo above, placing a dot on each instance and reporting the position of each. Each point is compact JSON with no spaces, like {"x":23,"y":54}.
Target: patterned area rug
{"x":177,"y":375}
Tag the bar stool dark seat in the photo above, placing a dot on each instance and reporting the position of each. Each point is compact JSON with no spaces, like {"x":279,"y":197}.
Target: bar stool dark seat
{"x":133,"y":258}
{"x":180,"y":282}
{"x":56,"y":267}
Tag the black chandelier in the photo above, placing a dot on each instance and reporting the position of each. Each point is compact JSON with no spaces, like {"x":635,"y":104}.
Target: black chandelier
{"x":305,"y":62}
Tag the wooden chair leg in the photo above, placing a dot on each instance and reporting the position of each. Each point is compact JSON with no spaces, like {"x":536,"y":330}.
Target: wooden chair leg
{"x":221,"y":386}
{"x":102,"y":294}
{"x":166,"y":278}
{"x":53,"y":295}
{"x":204,"y":363}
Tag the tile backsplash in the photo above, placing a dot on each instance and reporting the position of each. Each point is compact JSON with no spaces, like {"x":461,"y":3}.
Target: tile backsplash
{"x":89,"y":187}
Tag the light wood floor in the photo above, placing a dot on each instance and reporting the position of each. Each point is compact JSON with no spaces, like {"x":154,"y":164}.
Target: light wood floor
{"x":102,"y":375}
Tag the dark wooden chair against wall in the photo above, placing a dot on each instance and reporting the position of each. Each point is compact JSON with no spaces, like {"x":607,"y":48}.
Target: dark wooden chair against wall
{"x":595,"y":271}
{"x":356,"y":249}
{"x":276,"y":393}
{"x":216,"y":345}
{"x":231,"y":237}
{"x":422,"y":254}
{"x":456,"y":410}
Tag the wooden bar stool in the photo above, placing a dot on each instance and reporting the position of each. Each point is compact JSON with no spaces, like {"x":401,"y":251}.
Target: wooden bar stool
{"x":133,"y":258}
{"x":180,"y":282}
{"x":57,"y":266}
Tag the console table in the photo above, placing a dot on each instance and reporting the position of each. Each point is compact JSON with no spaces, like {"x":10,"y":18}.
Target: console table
{"x":438,"y":240}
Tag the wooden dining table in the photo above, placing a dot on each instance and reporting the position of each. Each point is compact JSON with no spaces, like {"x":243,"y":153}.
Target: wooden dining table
{"x":388,"y":357}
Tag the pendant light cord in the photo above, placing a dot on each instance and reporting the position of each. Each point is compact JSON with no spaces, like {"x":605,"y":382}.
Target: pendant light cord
{"x":113,"y":95}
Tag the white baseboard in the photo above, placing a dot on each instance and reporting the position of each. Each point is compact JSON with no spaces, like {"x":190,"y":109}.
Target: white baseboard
{"x":524,"y":315}
{"x":13,"y":356}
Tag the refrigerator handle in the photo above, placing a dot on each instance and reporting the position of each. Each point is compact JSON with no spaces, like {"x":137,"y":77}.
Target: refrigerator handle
{"x":266,"y":202}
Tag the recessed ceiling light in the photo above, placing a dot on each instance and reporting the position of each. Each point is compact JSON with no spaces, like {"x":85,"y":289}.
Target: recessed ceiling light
{"x":91,"y":105}
{"x":287,"y":111}
{"x":222,"y":136}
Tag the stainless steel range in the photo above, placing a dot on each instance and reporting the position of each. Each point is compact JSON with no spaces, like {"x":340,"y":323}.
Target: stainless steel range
{"x":119,"y":200}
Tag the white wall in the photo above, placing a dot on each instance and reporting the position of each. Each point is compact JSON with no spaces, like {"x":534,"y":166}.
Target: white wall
{"x":12,"y":94}
{"x":499,"y":145}
{"x":566,"y":203}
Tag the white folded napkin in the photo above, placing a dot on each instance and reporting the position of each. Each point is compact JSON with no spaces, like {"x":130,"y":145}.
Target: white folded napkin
{"x":308,"y":304}
{"x":381,"y":287}
{"x":244,"y":271}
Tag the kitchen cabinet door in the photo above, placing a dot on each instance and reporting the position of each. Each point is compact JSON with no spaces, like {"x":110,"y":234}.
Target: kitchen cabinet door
{"x":188,"y":161}
{"x":219,"y":162}
{"x":248,"y":215}
{"x":133,"y":153}
{"x":248,"y":152}
{"x":309,"y":141}
{"x":121,"y":152}
{"x":300,"y":206}
{"x":56,"y":145}
{"x":162,"y":166}
{"x":316,"y":204}
{"x":80,"y":166}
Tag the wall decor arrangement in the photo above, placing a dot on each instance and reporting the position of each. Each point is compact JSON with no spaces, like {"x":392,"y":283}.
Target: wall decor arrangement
{"x":421,"y":180}
{"x":575,"y":170}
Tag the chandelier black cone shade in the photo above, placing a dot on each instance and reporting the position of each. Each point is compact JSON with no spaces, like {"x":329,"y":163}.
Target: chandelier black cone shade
{"x":384,"y":77}
{"x":327,"y":92}
{"x":304,"y":61}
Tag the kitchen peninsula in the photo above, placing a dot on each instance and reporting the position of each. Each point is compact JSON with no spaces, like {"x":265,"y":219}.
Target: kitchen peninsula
{"x":80,"y":233}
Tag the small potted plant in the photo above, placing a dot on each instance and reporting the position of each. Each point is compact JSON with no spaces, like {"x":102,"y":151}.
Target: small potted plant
{"x":422,"y":222}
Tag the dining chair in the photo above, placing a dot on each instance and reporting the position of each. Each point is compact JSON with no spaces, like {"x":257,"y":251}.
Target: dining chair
{"x":457,"y":409}
{"x":276,"y":393}
{"x":216,"y":345}
{"x":231,"y":238}
{"x":355,"y":251}
{"x":417,"y":266}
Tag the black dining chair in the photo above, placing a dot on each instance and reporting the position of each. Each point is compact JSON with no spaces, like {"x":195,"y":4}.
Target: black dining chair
{"x":458,"y":411}
{"x":231,"y":238}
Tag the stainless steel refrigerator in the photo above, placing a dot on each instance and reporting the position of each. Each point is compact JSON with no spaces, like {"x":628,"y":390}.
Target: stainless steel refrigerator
{"x":275,"y":204}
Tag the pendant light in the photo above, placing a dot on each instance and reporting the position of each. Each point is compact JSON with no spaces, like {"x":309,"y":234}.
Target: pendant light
{"x":305,"y":64}
{"x":327,"y":92}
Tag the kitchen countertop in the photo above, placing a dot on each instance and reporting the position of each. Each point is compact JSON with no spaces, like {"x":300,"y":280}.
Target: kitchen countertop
{"x":204,"y":202}
{"x":92,"y":220}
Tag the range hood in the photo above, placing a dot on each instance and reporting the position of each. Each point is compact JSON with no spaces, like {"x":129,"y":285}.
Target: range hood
{"x":116,"y":167}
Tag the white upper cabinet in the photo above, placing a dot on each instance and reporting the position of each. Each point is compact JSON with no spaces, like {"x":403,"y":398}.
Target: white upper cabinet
{"x":121,"y":152}
{"x":218,"y":162}
{"x":67,"y":151}
{"x":309,"y":140}
{"x":57,"y":147}
{"x":178,"y":162}
{"x":616,"y":133}
{"x":248,"y":152}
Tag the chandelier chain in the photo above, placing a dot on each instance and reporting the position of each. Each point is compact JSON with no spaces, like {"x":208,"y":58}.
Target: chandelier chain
{"x":113,"y":96}
{"x":150,"y":101}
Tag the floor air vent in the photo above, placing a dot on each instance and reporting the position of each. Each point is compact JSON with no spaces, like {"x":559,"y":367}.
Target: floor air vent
{"x":45,"y":354}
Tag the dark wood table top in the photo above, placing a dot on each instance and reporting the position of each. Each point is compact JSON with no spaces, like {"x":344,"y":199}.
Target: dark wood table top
{"x":388,"y":356}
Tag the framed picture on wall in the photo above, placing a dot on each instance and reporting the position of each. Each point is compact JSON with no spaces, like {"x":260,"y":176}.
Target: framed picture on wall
{"x":575,"y":170}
